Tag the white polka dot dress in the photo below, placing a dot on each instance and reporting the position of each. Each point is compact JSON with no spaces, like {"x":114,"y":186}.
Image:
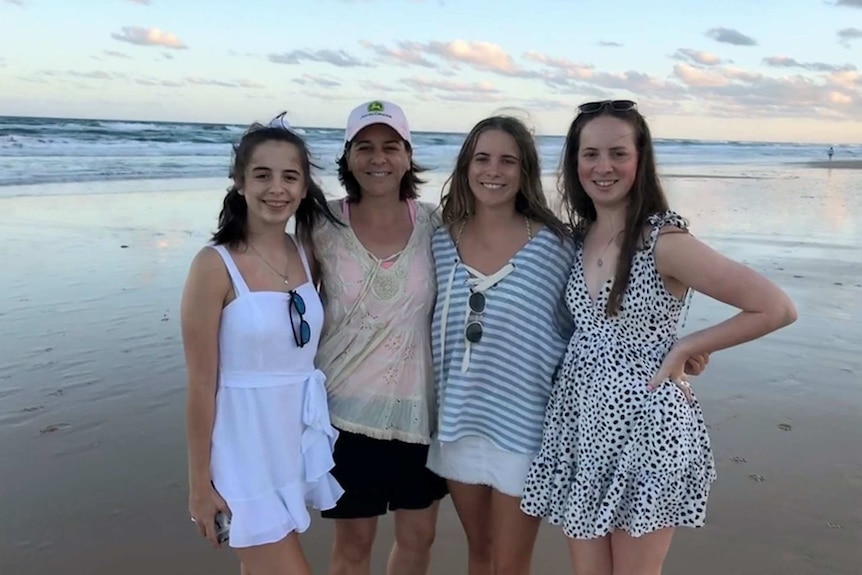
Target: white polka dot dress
{"x":614,"y":455}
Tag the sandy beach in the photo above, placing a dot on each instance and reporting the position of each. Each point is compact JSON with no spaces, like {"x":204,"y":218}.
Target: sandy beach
{"x":92,"y":447}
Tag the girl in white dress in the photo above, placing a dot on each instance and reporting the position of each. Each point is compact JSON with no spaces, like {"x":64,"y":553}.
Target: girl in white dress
{"x":259,"y":438}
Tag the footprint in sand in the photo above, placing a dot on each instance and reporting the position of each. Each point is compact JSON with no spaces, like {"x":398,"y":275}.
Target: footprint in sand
{"x":785,"y":426}
{"x":738,"y":459}
{"x":757,"y":478}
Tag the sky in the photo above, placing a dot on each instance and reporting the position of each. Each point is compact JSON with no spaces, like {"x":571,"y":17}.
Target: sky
{"x":764,"y":70}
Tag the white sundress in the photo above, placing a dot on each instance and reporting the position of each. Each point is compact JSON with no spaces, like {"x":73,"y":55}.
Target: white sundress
{"x":272,"y":440}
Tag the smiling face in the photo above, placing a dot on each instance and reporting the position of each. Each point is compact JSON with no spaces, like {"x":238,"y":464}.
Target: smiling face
{"x":607,"y":160}
{"x":494,"y":173}
{"x":378,"y":158}
{"x":273,"y":183}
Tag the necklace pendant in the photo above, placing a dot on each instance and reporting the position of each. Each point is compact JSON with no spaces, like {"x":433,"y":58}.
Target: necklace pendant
{"x":600,"y":262}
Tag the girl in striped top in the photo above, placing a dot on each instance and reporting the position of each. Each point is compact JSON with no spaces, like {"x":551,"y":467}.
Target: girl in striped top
{"x":499,"y":330}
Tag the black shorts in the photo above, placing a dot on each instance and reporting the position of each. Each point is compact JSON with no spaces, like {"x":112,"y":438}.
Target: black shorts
{"x":380,"y":475}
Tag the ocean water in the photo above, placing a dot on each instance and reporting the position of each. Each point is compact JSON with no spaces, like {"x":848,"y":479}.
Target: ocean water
{"x":57,"y":150}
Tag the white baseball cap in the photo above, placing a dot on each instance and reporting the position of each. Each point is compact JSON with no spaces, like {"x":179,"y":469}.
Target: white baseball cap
{"x":377,"y":112}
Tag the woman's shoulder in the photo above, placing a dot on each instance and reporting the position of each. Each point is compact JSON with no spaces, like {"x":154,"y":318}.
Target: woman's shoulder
{"x":551,"y":242}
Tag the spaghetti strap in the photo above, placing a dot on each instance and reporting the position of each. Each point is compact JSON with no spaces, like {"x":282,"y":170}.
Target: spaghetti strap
{"x":239,"y":284}
{"x":301,"y":249}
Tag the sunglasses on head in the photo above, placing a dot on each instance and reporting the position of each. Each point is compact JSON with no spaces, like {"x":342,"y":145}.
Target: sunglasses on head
{"x":301,"y":331}
{"x":614,"y":105}
{"x":473,"y":330}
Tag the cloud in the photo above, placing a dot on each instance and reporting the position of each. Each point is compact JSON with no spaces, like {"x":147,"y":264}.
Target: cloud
{"x":406,"y":53}
{"x":162,"y":83}
{"x":149,"y":37}
{"x":730,"y":36}
{"x":321,"y":81}
{"x":699,"y":77}
{"x":381,"y":88}
{"x":198,"y":81}
{"x":426,"y":85}
{"x":92,"y":75}
{"x":846,"y":34}
{"x":429,"y":90}
{"x":115,"y":54}
{"x":330,"y":96}
{"x":849,"y":3}
{"x":562,"y":68}
{"x":339,"y":58}
{"x":732,"y":92}
{"x":16,"y":3}
{"x":609,"y":44}
{"x":785,"y":62}
{"x":479,"y":55}
{"x":697,"y":57}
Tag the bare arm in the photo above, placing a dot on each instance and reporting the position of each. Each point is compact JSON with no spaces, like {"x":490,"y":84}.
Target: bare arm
{"x":764,"y":307}
{"x":206,"y":289}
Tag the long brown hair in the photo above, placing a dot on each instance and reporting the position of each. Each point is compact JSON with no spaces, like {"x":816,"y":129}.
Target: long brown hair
{"x":645,"y":198}
{"x":458,"y":202}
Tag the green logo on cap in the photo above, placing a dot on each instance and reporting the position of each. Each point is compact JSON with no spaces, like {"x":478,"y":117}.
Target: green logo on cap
{"x":375,"y":107}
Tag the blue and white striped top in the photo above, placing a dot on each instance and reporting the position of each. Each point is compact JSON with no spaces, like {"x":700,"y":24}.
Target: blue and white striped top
{"x":501,"y":390}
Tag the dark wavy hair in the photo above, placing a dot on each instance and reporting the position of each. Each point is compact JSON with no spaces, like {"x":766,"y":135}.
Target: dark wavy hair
{"x":409,"y":189}
{"x":458,"y":202}
{"x":233,"y":218}
{"x":645,"y":198}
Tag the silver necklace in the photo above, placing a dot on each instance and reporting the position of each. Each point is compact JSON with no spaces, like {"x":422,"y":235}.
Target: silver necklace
{"x":283,"y":276}
{"x":601,"y":262}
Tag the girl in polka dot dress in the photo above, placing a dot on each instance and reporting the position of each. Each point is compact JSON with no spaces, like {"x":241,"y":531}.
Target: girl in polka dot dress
{"x":625,"y":455}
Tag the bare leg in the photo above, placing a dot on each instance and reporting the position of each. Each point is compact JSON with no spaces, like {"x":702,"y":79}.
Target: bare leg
{"x":351,"y":548}
{"x":473,"y":504}
{"x":414,"y":535}
{"x":514,"y":535}
{"x":282,"y":558}
{"x":640,"y":555}
{"x":591,"y":556}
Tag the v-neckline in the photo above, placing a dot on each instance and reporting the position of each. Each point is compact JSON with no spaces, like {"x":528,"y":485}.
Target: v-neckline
{"x":393,"y":258}
{"x":511,"y":261}
{"x":603,"y":288}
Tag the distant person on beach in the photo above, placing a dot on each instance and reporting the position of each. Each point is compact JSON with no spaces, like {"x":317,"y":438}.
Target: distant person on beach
{"x":625,"y":454}
{"x":377,"y":281}
{"x":500,"y":329}
{"x":831,"y":152}
{"x":259,"y":438}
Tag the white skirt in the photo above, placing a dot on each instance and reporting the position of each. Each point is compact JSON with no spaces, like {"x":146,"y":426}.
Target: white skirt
{"x":477,"y":461}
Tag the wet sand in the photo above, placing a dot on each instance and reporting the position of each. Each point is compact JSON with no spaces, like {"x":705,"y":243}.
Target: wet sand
{"x":92,"y":454}
{"x":836,"y":164}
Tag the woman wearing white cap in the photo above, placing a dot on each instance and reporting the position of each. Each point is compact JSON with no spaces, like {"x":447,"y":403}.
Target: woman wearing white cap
{"x":377,"y":281}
